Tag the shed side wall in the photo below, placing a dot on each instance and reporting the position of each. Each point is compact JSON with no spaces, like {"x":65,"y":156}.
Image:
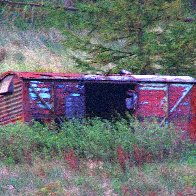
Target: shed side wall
{"x":181,"y":116}
{"x":169,"y":102}
{"x":11,"y":108}
{"x":152,"y":100}
{"x":47,"y":98}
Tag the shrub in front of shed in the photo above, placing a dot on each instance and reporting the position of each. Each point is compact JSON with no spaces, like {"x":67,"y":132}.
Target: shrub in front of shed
{"x":93,"y":139}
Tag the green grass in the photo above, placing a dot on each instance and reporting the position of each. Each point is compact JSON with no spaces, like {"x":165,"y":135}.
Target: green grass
{"x":34,"y":50}
{"x":129,"y":140}
{"x":55,"y":177}
{"x":95,"y":157}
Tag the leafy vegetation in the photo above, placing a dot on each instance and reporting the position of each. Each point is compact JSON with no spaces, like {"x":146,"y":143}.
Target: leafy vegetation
{"x":145,"y":37}
{"x":131,"y":141}
{"x":141,"y":36}
{"x":95,"y":157}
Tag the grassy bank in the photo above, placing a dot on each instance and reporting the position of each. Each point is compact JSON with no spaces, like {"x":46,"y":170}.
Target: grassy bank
{"x":55,"y":177}
{"x":35,"y":50}
{"x":95,"y":157}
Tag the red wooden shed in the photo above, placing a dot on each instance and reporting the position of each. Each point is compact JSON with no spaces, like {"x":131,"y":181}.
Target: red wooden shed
{"x":30,"y":96}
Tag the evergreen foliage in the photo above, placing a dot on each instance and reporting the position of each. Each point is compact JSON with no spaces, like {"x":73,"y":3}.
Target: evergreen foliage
{"x":143,"y":36}
{"x":146,"y":37}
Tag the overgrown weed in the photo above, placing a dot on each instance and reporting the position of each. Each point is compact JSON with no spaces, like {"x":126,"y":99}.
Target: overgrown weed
{"x":119,"y":156}
{"x":97,"y":139}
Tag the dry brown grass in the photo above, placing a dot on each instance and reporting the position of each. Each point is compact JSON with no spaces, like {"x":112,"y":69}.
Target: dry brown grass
{"x":32,"y":50}
{"x":94,"y":178}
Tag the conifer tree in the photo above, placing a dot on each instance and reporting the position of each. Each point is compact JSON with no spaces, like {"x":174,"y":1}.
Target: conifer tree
{"x":143,"y":36}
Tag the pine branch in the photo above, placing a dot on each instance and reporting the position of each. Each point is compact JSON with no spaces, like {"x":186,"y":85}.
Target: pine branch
{"x":36,"y":5}
{"x":22,"y":3}
{"x":101,"y":47}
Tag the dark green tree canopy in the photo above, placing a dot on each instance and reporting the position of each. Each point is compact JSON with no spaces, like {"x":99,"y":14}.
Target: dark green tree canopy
{"x":143,"y":36}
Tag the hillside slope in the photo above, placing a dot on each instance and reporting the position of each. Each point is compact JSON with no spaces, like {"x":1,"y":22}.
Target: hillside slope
{"x":32,"y":50}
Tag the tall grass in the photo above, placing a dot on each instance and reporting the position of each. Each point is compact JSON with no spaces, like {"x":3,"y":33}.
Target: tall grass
{"x":34,"y":43}
{"x":95,"y":157}
{"x":124,"y":141}
{"x":34,"y":50}
{"x":55,"y":178}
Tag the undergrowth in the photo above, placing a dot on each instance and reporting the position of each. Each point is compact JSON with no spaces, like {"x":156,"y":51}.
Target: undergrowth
{"x":54,"y":177}
{"x":95,"y":157}
{"x":128,"y":142}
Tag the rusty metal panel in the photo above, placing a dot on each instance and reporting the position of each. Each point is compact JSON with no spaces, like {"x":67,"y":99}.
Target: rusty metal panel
{"x":192,"y":127}
{"x":152,"y":100}
{"x":11,"y":108}
{"x":47,"y":98}
{"x":65,"y":94}
{"x":180,"y":105}
{"x":40,"y":98}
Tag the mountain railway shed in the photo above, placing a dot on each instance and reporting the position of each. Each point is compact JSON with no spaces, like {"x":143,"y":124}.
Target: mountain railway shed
{"x":27,"y":96}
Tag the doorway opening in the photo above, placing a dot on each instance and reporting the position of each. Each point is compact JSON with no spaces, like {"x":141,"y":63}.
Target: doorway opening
{"x":106,"y":100}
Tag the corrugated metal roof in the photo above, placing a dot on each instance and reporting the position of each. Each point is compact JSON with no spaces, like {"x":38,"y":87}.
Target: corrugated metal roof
{"x":91,"y":77}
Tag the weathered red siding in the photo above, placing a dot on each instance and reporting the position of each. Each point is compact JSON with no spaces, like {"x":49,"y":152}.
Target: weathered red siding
{"x":50,"y":99}
{"x":11,"y":107}
{"x":181,"y":116}
{"x":47,"y":96}
{"x":193,"y":114}
{"x":168,"y":102}
{"x":152,"y":100}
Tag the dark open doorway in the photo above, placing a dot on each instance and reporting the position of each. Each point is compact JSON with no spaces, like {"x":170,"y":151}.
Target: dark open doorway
{"x":106,"y":100}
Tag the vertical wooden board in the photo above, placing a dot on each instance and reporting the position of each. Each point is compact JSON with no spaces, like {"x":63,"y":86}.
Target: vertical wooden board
{"x":192,"y":126}
{"x":74,"y":106}
{"x":152,"y":100}
{"x":64,"y":90}
{"x":40,"y":97}
{"x":75,"y":102}
{"x":180,"y":116}
{"x":11,"y":108}
{"x":27,"y":117}
{"x":60,"y":94}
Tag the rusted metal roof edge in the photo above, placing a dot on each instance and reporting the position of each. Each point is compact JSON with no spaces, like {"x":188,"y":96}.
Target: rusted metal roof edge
{"x":40,"y":75}
{"x":141,"y":78}
{"x":91,"y":77}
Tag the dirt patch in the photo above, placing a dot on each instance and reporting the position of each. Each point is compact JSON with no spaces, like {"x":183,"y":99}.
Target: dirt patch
{"x":2,"y":54}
